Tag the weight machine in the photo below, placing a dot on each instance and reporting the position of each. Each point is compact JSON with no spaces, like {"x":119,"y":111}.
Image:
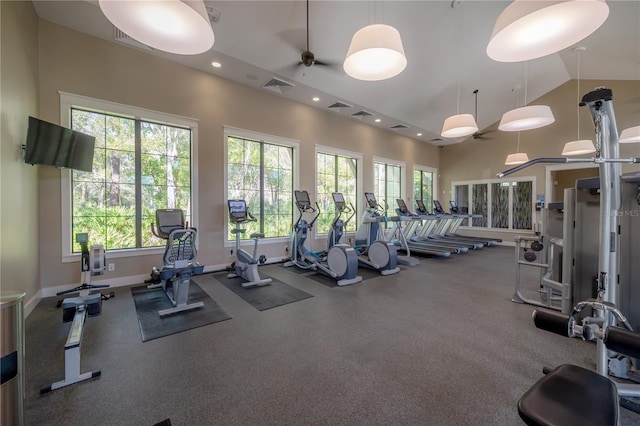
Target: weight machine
{"x":577,"y":388}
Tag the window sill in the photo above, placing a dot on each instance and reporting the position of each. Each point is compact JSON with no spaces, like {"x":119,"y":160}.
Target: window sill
{"x":118,"y":254}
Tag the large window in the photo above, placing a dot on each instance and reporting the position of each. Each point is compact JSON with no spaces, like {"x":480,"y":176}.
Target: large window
{"x":260,"y":170}
{"x":497,"y":204}
{"x":423,"y":186}
{"x":141,"y":163}
{"x":335,"y":173}
{"x":387,"y":183}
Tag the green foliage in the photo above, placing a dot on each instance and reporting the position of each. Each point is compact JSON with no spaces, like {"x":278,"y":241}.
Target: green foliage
{"x":248,"y":164}
{"x":104,"y":201}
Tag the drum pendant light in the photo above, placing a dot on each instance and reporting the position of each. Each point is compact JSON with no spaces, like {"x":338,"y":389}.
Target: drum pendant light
{"x":175,"y":26}
{"x":529,"y":29}
{"x":579,"y":146}
{"x":459,"y":125}
{"x":518,"y":157}
{"x":527,"y":117}
{"x":630,"y":135}
{"x":375,"y":53}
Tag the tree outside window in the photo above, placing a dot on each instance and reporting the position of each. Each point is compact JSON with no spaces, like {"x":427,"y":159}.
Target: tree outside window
{"x":139,"y":166}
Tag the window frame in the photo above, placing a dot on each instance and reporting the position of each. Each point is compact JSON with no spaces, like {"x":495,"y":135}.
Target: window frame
{"x":434,"y":181}
{"x":263,"y":138}
{"x":489,"y":182}
{"x":403,"y":179}
{"x":322,"y":149}
{"x":67,"y":102}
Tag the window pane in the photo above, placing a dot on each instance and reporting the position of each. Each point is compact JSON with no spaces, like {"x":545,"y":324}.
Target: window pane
{"x":106,"y":198}
{"x":522,"y":205}
{"x":262,"y":175}
{"x":479,"y":201}
{"x":500,"y":205}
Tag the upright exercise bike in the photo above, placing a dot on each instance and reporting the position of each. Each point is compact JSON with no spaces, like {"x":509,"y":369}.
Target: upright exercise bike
{"x":245,"y":265}
{"x":179,"y":263}
{"x":372,"y":253}
{"x":340,"y":262}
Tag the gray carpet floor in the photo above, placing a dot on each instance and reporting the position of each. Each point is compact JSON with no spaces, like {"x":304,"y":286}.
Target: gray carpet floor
{"x":437,"y":344}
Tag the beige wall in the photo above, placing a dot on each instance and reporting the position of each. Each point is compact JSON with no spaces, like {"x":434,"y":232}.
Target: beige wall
{"x":484,"y":158}
{"x":563,"y":179}
{"x":83,"y":65}
{"x":18,"y":181}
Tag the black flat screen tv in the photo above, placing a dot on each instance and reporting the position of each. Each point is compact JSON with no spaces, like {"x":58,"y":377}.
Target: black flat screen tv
{"x":57,"y":146}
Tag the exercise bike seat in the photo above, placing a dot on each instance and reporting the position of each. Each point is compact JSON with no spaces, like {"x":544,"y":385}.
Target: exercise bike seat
{"x":570,"y":395}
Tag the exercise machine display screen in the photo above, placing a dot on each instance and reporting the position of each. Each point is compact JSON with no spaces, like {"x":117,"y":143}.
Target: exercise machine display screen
{"x":437,"y":206}
{"x":402,"y":206}
{"x":371,"y":199}
{"x":302,"y":199}
{"x":237,"y":209}
{"x":454,"y":206}
{"x":338,"y":199}
{"x":421,"y":207}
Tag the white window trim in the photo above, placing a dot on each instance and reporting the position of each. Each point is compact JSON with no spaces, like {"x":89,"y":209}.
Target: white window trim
{"x":534,"y":215}
{"x":555,"y":167}
{"x":323,"y":149}
{"x":403,"y":173}
{"x":434,"y":180}
{"x":69,"y":100}
{"x":260,"y":137}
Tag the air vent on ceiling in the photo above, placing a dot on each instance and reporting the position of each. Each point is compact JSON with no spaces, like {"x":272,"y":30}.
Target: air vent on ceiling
{"x":277,"y":85}
{"x":399,"y":127}
{"x":361,"y":114}
{"x":339,"y":105}
{"x":435,"y":140}
{"x":121,"y":37}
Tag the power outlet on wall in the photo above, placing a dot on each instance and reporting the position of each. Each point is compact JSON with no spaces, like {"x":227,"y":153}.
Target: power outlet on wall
{"x":111,"y":267}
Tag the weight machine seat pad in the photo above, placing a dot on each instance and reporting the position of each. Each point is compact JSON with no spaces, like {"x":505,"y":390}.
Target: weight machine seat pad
{"x":570,"y":395}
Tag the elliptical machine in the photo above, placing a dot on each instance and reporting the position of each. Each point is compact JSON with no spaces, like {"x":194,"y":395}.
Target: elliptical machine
{"x":340,"y":262}
{"x":245,"y":265}
{"x":178,"y":261}
{"x":372,"y":253}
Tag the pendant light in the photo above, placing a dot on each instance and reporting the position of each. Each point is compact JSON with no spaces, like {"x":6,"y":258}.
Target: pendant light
{"x":579,"y":146}
{"x":175,"y":26}
{"x":527,"y":117}
{"x":529,"y":29}
{"x":630,"y":135}
{"x":459,"y":125}
{"x":518,"y":157}
{"x":375,"y":53}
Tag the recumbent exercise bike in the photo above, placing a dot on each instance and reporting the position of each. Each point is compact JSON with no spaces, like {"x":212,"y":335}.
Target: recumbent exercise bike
{"x":179,"y":263}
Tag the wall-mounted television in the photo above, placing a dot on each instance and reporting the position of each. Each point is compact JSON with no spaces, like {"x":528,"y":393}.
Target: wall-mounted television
{"x":57,"y":146}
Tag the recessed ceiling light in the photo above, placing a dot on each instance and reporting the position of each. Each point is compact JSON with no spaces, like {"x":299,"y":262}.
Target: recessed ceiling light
{"x":316,"y":99}
{"x":419,"y":134}
{"x":378,"y":120}
{"x":216,"y":64}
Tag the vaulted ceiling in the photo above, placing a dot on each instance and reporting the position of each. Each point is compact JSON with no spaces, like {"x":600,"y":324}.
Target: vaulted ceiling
{"x":444,"y":42}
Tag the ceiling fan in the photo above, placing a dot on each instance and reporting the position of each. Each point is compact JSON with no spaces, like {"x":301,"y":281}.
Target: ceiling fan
{"x":478,"y":134}
{"x":307,"y":58}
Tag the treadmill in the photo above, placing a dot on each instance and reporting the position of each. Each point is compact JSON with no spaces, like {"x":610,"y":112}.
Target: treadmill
{"x":436,"y":232}
{"x":458,"y":218}
{"x":413,"y":242}
{"x":424,"y":234}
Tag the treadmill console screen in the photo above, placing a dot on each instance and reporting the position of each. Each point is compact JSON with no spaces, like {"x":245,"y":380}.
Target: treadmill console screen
{"x":454,"y":207}
{"x":371,"y":199}
{"x":421,"y":207}
{"x":437,"y":207}
{"x":402,"y":206}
